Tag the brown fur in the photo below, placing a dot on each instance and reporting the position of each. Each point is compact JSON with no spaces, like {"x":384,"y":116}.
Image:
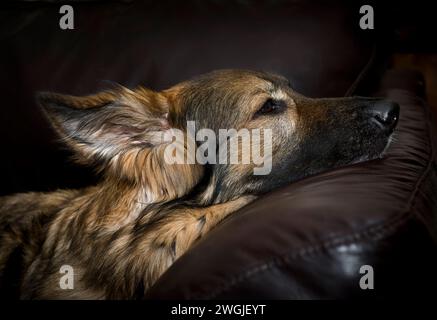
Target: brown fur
{"x":122,"y":234}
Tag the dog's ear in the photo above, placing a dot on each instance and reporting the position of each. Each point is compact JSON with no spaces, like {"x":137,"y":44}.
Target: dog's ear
{"x":123,"y":132}
{"x":100,"y":125}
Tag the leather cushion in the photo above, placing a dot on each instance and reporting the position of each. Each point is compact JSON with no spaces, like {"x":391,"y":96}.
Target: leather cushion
{"x":309,"y":239}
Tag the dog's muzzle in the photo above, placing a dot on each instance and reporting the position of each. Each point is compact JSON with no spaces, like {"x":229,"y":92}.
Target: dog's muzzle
{"x":385,"y":114}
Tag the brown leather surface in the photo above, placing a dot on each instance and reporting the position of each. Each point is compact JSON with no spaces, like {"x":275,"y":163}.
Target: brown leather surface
{"x":309,"y":240}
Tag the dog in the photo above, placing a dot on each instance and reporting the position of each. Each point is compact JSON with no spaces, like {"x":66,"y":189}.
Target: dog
{"x":120,"y":235}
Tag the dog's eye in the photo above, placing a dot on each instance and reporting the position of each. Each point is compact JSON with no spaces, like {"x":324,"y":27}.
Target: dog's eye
{"x":271,"y":107}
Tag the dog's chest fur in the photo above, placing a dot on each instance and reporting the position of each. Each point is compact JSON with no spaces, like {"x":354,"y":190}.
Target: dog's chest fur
{"x":116,"y":246}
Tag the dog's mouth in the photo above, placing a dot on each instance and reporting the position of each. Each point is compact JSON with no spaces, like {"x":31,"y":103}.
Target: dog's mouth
{"x":356,"y":131}
{"x":391,"y":139}
{"x":384,"y":116}
{"x":364,"y":135}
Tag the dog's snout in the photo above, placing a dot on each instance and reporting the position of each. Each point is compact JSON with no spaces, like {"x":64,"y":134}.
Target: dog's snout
{"x":386,"y":113}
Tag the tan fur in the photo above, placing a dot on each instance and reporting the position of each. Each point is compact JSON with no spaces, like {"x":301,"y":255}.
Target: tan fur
{"x":83,"y":223}
{"x":122,"y":234}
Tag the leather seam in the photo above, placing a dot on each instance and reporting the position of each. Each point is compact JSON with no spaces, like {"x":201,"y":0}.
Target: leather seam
{"x":431,"y":160}
{"x":373,"y":232}
{"x":364,"y":71}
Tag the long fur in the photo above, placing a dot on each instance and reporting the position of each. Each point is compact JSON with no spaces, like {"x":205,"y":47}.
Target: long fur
{"x":120,"y":235}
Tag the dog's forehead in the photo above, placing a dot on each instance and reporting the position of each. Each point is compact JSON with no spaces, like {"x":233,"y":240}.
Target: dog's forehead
{"x":275,"y":85}
{"x":275,"y":79}
{"x":225,"y":88}
{"x":269,"y":81}
{"x":237,"y":78}
{"x":251,"y":83}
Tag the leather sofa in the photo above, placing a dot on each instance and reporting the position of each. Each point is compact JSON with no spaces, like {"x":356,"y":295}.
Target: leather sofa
{"x":305,"y":241}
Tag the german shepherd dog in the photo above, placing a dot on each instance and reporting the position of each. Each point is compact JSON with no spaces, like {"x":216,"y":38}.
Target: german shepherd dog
{"x":122,"y":234}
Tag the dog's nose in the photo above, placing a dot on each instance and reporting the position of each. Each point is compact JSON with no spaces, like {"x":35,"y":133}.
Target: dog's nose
{"x":386,"y":113}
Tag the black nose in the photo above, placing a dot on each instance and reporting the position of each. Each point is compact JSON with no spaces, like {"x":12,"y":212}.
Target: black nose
{"x":386,"y":113}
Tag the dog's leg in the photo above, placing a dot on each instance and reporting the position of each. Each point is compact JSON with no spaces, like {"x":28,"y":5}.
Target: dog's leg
{"x":177,"y":233}
{"x":205,"y":220}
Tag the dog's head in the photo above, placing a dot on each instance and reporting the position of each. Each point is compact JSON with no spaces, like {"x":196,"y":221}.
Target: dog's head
{"x":128,"y":133}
